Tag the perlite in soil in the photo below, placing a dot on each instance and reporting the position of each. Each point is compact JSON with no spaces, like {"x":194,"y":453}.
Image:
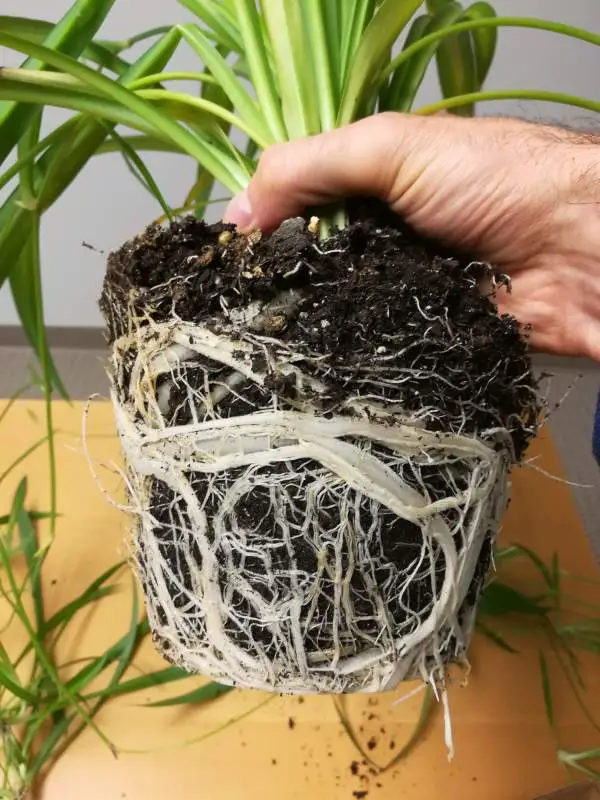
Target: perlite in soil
{"x":318,"y":438}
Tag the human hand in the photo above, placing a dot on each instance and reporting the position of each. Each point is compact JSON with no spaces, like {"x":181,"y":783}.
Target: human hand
{"x":524,"y":197}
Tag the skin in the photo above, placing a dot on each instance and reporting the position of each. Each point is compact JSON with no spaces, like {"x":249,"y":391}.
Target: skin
{"x":522,"y":196}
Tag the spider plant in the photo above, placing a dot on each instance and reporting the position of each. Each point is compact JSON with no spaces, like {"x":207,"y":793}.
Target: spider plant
{"x":275,"y":71}
{"x":45,"y":702}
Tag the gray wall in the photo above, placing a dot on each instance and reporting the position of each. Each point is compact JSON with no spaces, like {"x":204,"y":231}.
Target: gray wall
{"x":105,"y":206}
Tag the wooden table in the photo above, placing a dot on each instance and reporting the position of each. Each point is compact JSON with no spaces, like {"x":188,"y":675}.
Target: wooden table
{"x":285,"y":748}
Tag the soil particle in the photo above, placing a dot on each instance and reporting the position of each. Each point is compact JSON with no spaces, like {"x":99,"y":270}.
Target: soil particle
{"x":291,"y":723}
{"x":354,"y":767}
{"x":359,"y":793}
{"x":372,"y":743}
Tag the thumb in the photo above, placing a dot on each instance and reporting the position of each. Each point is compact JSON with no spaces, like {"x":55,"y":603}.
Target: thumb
{"x":360,"y":159}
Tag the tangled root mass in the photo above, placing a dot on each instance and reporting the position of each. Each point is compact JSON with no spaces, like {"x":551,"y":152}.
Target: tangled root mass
{"x":318,"y":437}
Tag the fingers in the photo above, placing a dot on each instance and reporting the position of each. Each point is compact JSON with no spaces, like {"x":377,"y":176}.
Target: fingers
{"x":361,"y":159}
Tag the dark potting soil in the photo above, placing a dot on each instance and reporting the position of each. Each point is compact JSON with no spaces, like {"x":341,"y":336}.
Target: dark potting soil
{"x":392,"y":315}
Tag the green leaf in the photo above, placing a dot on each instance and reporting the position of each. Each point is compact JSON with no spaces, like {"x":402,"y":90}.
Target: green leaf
{"x":33,"y":558}
{"x":323,"y":78}
{"x":33,"y":515}
{"x":287,"y":37}
{"x":184,"y":137}
{"x":456,"y":63}
{"x":219,"y":23}
{"x":408,"y":78}
{"x":50,"y":742}
{"x":37,"y":30}
{"x":555,"y":573}
{"x":405,"y":82}
{"x":488,"y":23}
{"x":495,"y":637}
{"x":499,"y":599}
{"x":95,"y":591}
{"x":26,"y":289}
{"x":547,"y":690}
{"x":227,"y":79}
{"x":208,"y":692}
{"x":71,"y":36}
{"x":371,"y":57}
{"x":144,"y":682}
{"x":142,"y":173}
{"x":355,"y":16}
{"x":484,"y":41}
{"x":129,"y":642}
{"x":57,"y":168}
{"x":8,"y":682}
{"x":511,"y":94}
{"x":538,"y":564}
{"x":22,"y":457}
{"x":263,"y":79}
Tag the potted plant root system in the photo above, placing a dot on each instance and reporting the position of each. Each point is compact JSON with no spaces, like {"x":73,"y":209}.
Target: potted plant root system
{"x":318,"y":437}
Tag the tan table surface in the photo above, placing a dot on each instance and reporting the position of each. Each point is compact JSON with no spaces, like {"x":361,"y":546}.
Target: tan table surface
{"x":504,"y":750}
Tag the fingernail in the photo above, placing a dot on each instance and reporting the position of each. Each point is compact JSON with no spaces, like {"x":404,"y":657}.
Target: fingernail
{"x":239,"y":211}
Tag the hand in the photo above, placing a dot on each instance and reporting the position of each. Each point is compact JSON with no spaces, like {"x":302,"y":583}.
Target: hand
{"x":524,"y":197}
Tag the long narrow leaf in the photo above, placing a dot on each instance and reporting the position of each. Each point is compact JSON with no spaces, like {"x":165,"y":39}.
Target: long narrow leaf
{"x":323,"y":59}
{"x":456,"y":62}
{"x":37,"y":30}
{"x":285,"y":24}
{"x":515,"y":94}
{"x":499,"y":599}
{"x":143,"y":682}
{"x":485,"y":40}
{"x":405,"y":82}
{"x":208,"y":692}
{"x":25,"y":285}
{"x":7,"y":682}
{"x":57,"y":168}
{"x":71,"y":36}
{"x":482,"y":24}
{"x":182,"y":136}
{"x":142,"y":173}
{"x":33,"y":558}
{"x":495,"y":637}
{"x":547,"y":690}
{"x":215,"y":16}
{"x":227,"y":79}
{"x":90,"y":595}
{"x":261,"y":73}
{"x":372,"y":53}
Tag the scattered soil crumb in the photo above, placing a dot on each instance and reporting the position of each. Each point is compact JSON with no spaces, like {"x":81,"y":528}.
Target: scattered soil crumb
{"x":354,"y":767}
{"x":379,"y":785}
{"x":53,"y":582}
{"x":372,"y":716}
{"x":372,"y":743}
{"x":274,"y":762}
{"x":300,"y":700}
{"x":291,"y":723}
{"x":392,"y":744}
{"x":359,"y":794}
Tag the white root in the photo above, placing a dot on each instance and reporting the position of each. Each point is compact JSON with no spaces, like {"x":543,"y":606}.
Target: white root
{"x":218,"y":599}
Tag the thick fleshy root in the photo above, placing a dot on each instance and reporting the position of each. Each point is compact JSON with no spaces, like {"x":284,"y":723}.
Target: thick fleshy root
{"x":269,"y":543}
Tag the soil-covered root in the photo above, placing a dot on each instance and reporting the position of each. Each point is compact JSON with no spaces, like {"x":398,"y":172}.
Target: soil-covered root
{"x":318,"y":438}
